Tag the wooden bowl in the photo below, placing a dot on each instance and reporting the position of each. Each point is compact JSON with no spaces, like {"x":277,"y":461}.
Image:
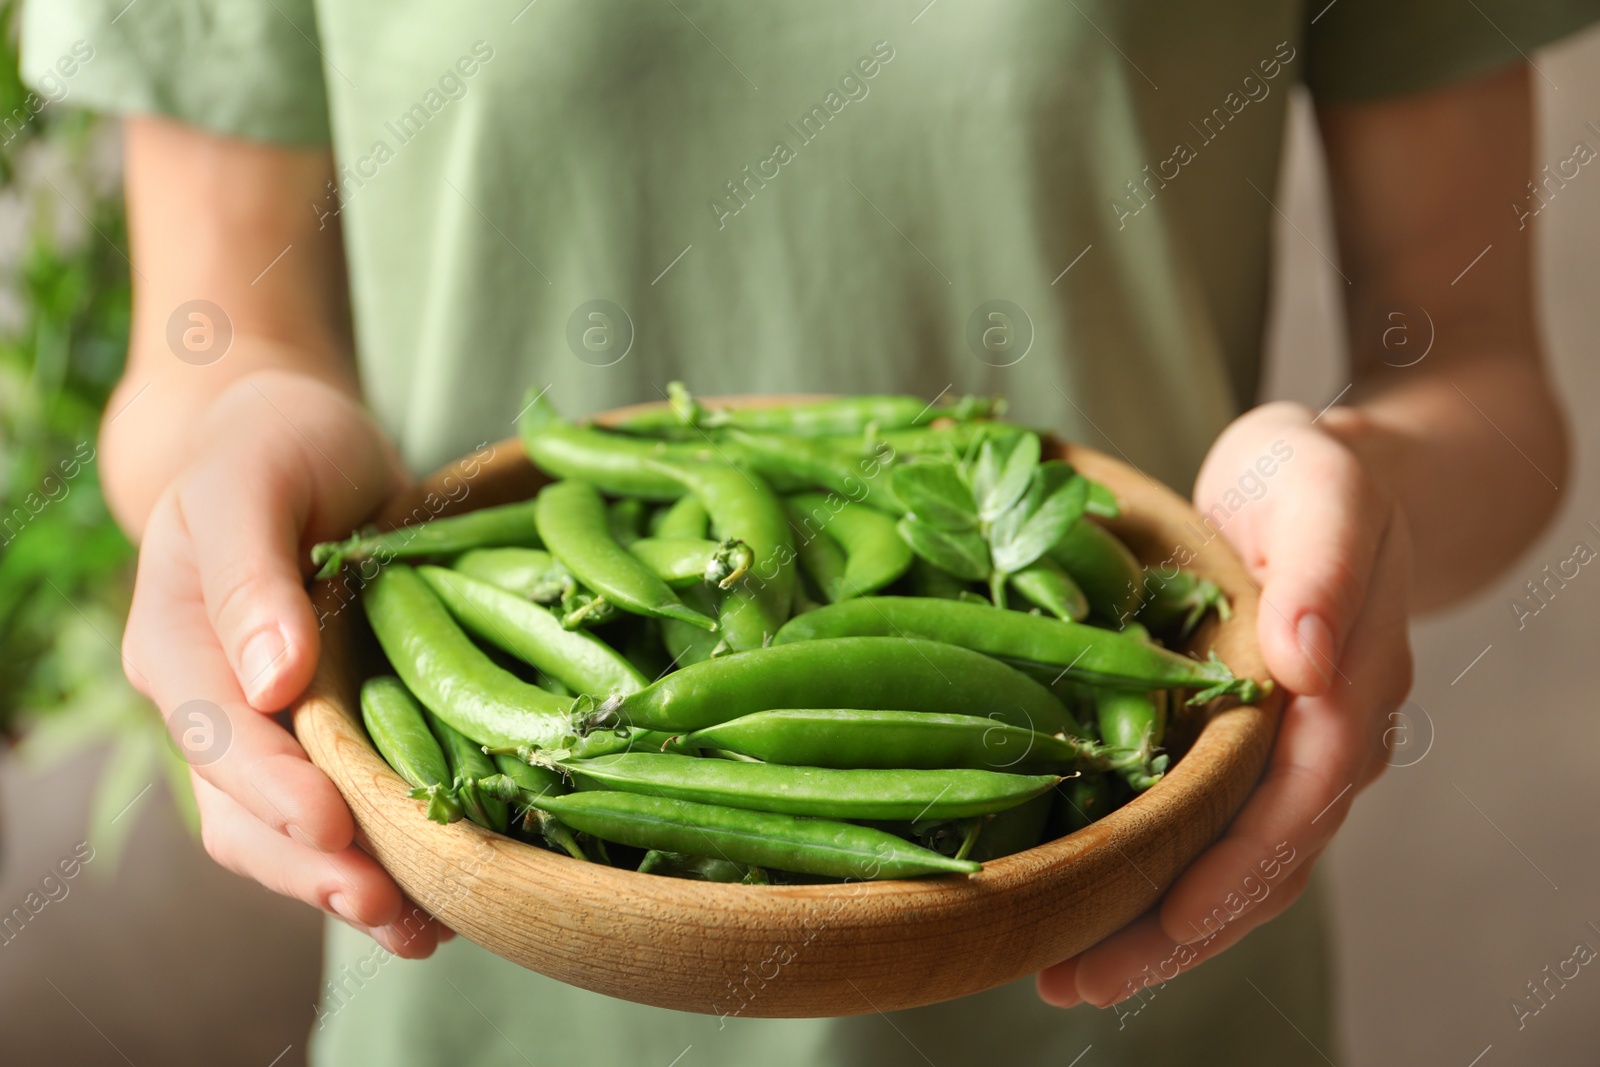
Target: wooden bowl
{"x":796,"y":951}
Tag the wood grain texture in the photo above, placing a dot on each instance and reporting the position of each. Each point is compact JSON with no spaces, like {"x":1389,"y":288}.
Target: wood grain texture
{"x":797,"y":951}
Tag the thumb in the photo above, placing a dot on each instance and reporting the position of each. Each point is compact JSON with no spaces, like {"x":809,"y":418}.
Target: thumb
{"x":1317,"y":544}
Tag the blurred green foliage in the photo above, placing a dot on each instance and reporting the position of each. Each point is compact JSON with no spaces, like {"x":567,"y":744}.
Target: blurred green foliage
{"x":65,"y":567}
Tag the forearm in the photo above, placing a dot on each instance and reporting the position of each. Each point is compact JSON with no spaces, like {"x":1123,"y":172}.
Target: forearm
{"x":1476,"y":455}
{"x":235,"y":275}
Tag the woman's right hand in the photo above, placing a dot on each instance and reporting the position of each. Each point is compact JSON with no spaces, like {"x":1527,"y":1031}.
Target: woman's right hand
{"x":221,"y":636}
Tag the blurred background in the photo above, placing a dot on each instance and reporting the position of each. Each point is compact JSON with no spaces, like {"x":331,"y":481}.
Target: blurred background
{"x":1462,"y":880}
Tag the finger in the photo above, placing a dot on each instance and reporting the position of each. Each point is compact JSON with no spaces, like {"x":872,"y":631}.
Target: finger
{"x":1319,"y":761}
{"x":171,"y":648}
{"x":244,"y":521}
{"x":1319,"y":549}
{"x":1057,"y":985}
{"x":1142,"y":954}
{"x":348,"y":885}
{"x":249,"y":506}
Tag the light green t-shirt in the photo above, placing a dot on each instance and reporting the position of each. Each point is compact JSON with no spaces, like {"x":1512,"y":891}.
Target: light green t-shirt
{"x":1064,"y":204}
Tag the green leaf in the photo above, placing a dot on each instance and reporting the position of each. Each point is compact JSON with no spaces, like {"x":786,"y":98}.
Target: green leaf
{"x":935,"y":493}
{"x":1102,"y":502}
{"x":1017,"y":544}
{"x":961,"y":553}
{"x":1014,"y":478}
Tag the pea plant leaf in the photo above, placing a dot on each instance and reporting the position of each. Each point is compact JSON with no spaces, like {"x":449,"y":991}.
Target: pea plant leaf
{"x":1054,"y":501}
{"x":1003,"y":473}
{"x":958,"y":552}
{"x":936,"y":494}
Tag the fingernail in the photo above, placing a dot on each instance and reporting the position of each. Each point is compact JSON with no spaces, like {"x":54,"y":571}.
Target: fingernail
{"x":260,"y":659}
{"x":1316,"y":643}
{"x":341,"y":907}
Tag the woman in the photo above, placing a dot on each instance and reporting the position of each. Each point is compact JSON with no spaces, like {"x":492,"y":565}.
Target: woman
{"x":359,"y":232}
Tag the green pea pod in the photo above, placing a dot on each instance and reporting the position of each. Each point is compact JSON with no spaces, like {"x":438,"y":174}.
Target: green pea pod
{"x":581,"y":662}
{"x":873,"y":673}
{"x":875,"y":553}
{"x":527,"y":572}
{"x":395,"y":722}
{"x":1045,"y":584}
{"x":1132,"y":725}
{"x":856,"y":738}
{"x":764,"y":839}
{"x":687,"y":644}
{"x":822,"y":559}
{"x":1107,"y":572}
{"x":508,"y":524}
{"x":835,"y":415}
{"x":743,"y":506}
{"x":450,"y":675}
{"x":689,"y":561}
{"x":821,"y":791}
{"x":614,"y":463}
{"x":796,"y":463}
{"x":1086,"y":653}
{"x":572,"y":521}
{"x":469,"y":766}
{"x":1179,"y":602}
{"x":685,"y":518}
{"x":625,"y":518}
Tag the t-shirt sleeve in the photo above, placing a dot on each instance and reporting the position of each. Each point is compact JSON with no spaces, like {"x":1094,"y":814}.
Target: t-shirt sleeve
{"x":1366,"y":49}
{"x":251,"y":68}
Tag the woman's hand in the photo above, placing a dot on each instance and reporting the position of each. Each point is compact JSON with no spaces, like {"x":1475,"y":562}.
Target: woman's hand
{"x":1329,"y":550}
{"x":221,"y":635}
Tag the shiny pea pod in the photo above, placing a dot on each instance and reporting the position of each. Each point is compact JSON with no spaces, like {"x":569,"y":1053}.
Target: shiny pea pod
{"x":615,"y":463}
{"x":1107,"y":572}
{"x":743,"y":506}
{"x":396,"y":724}
{"x":451,"y":676}
{"x":468,"y":767}
{"x":1083,"y":801}
{"x":764,"y":839}
{"x":826,"y":792}
{"x":626,"y":520}
{"x":685,"y":561}
{"x":1053,"y":647}
{"x":508,"y":524}
{"x":839,"y":415}
{"x":1132,"y":725}
{"x":686,"y":517}
{"x":583,"y":663}
{"x":687,"y":644}
{"x":821,"y":557}
{"x":572,"y":521}
{"x":1046,"y":585}
{"x":529,"y":572}
{"x":699,"y":868}
{"x":800,"y":464}
{"x":875,"y":673}
{"x":857,"y":738}
{"x":875,"y":553}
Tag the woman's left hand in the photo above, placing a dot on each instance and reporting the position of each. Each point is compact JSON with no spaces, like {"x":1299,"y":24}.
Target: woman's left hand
{"x":1329,"y":551}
